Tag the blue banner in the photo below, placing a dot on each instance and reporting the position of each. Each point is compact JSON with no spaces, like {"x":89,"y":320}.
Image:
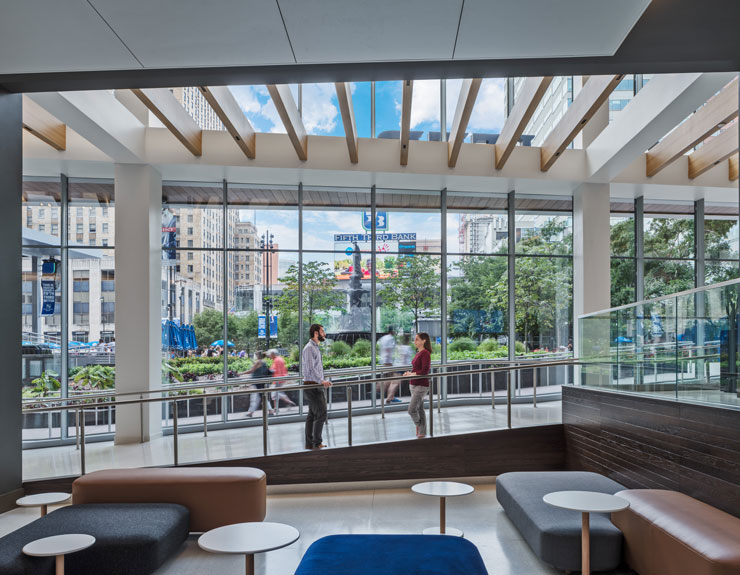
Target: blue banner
{"x":262,"y":327}
{"x":48,"y":291}
{"x":273,"y":326}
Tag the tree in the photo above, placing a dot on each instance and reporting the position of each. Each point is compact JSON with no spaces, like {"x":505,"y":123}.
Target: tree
{"x":318,"y":291}
{"x":413,"y":287}
{"x":209,"y":326}
{"x":470,"y":295}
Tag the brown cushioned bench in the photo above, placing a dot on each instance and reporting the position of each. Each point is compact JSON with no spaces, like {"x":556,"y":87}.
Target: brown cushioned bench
{"x":215,"y":496}
{"x":669,"y":532}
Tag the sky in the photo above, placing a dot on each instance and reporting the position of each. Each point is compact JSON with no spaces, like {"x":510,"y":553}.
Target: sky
{"x":321,"y":114}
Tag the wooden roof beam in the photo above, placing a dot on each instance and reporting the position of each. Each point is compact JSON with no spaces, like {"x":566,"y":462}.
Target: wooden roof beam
{"x":718,"y":111}
{"x":288,"y":111}
{"x":715,"y":150}
{"x":408,"y":92}
{"x":463,"y":110}
{"x":344,"y":97}
{"x":43,"y":125}
{"x":525,"y":105}
{"x":232,"y":116}
{"x":164,"y":105}
{"x":593,"y":94}
{"x":734,"y":162}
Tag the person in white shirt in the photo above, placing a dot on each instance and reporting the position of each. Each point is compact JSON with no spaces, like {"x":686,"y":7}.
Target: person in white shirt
{"x":387,"y":345}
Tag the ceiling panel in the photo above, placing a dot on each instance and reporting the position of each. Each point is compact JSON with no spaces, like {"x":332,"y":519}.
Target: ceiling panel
{"x":178,"y":33}
{"x":545,"y":28}
{"x":51,"y":35}
{"x":365,"y":31}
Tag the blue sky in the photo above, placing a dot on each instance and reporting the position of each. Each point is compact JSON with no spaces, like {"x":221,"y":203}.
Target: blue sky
{"x":321,"y":112}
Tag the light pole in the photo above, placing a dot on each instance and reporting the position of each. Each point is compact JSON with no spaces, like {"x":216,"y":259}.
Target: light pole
{"x":268,"y":247}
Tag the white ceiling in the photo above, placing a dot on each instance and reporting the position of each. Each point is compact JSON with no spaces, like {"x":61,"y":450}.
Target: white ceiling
{"x":74,"y":35}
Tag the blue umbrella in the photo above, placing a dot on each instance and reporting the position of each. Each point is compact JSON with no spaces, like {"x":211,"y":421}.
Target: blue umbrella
{"x":221,"y":343}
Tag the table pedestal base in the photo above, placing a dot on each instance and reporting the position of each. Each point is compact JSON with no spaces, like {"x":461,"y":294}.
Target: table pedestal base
{"x":60,"y":565}
{"x":249,"y":564}
{"x":585,"y":545}
{"x":448,"y":531}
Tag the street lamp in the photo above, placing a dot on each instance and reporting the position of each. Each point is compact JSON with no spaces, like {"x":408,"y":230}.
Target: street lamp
{"x":268,"y":247}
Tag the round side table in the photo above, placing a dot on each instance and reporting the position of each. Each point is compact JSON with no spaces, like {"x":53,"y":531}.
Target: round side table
{"x":443,"y":490}
{"x":248,"y":539}
{"x":586,"y":502}
{"x":58,"y":546}
{"x":43,"y":500}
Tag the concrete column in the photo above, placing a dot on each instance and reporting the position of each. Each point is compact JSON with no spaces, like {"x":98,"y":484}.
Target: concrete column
{"x":591,"y":252}
{"x":138,"y":196}
{"x":11,"y":151}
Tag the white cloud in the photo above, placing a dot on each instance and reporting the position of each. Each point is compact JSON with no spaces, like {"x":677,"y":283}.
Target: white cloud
{"x":246,"y":97}
{"x":319,"y":111}
{"x":425,"y":102}
{"x":488,"y":113}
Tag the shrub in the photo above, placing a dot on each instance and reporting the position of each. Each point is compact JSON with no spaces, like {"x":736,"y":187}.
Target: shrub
{"x":295,"y":355}
{"x":520,"y":348}
{"x":463,"y":344}
{"x":340,"y":349}
{"x":362,"y":348}
{"x":488,"y":345}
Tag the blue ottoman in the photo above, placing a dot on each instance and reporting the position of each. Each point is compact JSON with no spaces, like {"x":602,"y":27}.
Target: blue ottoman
{"x":392,"y":555}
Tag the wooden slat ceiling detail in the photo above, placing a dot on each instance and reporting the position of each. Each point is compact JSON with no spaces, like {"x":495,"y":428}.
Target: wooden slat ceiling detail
{"x":163,"y":104}
{"x":43,"y":125}
{"x":714,"y":151}
{"x":408,"y":91}
{"x":544,"y":204}
{"x":733,"y":167}
{"x":231,"y":115}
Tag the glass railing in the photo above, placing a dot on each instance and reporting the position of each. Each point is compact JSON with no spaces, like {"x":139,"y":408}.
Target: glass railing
{"x":683,"y":346}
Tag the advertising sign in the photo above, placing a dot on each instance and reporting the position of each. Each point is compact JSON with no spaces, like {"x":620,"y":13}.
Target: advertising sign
{"x":48,"y":291}
{"x":262,"y":327}
{"x":381,"y":221}
{"x":169,"y":238}
{"x":273,"y":327}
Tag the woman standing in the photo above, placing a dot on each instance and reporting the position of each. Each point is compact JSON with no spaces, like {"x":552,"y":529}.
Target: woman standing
{"x":421,"y":364}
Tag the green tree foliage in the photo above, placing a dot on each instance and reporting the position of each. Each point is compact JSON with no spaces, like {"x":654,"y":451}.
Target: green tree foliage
{"x":209,"y":326}
{"x":623,"y":270}
{"x":319,"y":294}
{"x":414,"y":287}
{"x":470,"y":291}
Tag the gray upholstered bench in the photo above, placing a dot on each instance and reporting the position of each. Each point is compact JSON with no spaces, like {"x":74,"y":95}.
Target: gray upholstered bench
{"x":555,"y":534}
{"x":392,"y":555}
{"x":129,"y":538}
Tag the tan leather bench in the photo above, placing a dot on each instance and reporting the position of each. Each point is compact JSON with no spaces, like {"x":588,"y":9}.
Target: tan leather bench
{"x":666,"y":532}
{"x":215,"y":496}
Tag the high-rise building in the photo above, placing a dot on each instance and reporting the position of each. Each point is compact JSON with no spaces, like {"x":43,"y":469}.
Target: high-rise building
{"x":196,"y":105}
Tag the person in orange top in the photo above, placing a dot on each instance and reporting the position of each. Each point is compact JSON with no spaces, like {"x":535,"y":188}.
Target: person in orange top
{"x":278,"y":369}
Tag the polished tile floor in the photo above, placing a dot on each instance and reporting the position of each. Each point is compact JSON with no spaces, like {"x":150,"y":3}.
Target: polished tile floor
{"x":285,"y":437}
{"x":365,"y":510}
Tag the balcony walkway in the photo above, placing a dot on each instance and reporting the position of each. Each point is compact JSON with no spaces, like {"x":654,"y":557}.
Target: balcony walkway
{"x":243,"y":442}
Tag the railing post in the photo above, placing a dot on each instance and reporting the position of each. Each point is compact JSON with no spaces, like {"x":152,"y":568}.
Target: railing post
{"x":205,"y":416}
{"x":534,"y":386}
{"x":493,"y":390}
{"x":431,"y":408}
{"x":82,"y":439}
{"x":264,"y":422}
{"x":77,"y":430}
{"x":508,"y":398}
{"x":349,"y":415}
{"x":174,"y":433}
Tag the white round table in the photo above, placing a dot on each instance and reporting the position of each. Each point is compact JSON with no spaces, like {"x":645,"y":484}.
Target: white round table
{"x":443,"y":490}
{"x":586,"y":502}
{"x":248,"y":539}
{"x":58,"y":546}
{"x":43,"y":500}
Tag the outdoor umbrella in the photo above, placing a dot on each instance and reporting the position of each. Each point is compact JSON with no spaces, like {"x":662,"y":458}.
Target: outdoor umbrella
{"x":221,"y":343}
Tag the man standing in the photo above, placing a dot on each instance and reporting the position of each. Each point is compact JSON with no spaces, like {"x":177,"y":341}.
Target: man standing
{"x":313,"y":373}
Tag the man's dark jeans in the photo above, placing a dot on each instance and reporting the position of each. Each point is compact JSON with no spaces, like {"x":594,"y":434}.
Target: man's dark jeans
{"x":316,"y":416}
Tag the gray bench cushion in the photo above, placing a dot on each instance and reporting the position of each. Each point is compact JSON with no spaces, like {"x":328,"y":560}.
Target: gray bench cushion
{"x":555,"y":534}
{"x":130,"y":538}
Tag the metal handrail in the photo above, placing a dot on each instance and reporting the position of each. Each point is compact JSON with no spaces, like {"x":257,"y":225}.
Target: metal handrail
{"x":662,"y":298}
{"x":351,"y":372}
{"x":80,"y":409}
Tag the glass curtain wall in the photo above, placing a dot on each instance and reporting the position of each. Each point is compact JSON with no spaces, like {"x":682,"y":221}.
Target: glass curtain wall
{"x":68,"y":291}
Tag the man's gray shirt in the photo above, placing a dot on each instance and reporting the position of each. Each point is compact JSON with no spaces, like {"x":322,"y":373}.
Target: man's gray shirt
{"x":313,"y":370}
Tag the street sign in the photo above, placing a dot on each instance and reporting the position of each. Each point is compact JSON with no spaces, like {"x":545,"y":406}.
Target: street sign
{"x":48,"y":292}
{"x":349,"y":251}
{"x":381,"y":221}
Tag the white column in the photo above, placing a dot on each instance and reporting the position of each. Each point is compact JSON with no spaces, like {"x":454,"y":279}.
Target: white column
{"x":591,"y":251}
{"x":138,"y":196}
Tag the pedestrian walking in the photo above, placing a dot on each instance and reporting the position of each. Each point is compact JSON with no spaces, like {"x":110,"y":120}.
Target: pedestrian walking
{"x":313,"y":373}
{"x":387,"y":345}
{"x":421,"y":364}
{"x":279,"y":369}
{"x":259,"y":370}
